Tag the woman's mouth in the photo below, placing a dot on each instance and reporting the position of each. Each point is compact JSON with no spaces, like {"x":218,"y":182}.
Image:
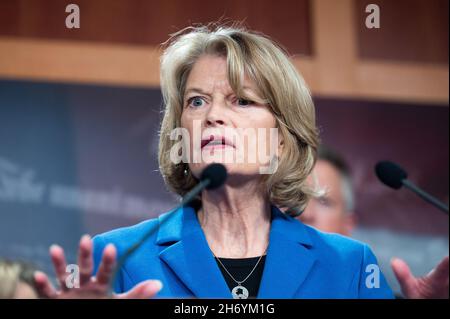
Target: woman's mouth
{"x":219,"y":142}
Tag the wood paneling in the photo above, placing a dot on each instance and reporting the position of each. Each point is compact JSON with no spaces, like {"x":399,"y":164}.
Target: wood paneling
{"x":146,"y":22}
{"x":336,"y":69}
{"x":410,"y":30}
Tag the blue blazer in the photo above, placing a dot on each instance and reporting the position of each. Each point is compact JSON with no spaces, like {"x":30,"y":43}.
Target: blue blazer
{"x":301,"y":261}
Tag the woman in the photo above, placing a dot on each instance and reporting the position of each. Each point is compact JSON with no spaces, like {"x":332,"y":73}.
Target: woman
{"x":235,"y":241}
{"x":16,"y":280}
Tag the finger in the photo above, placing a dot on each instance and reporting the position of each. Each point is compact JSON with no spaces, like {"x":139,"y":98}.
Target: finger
{"x":85,"y":260}
{"x":144,"y":290}
{"x":59,"y":264}
{"x":440,"y":274}
{"x":44,"y":287}
{"x":106,"y":267}
{"x":404,"y":276}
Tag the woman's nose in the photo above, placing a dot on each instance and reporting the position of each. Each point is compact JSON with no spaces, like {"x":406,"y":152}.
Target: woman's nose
{"x":212,"y":122}
{"x":215,"y":115}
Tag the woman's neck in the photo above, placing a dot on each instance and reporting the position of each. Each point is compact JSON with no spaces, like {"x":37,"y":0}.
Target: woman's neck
{"x":236,"y":221}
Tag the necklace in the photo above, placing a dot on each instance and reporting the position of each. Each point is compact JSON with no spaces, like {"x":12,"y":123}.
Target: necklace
{"x":240,"y":292}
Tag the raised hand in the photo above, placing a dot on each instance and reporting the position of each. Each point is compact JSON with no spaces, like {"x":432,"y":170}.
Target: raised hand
{"x":90,"y":286}
{"x":432,"y":286}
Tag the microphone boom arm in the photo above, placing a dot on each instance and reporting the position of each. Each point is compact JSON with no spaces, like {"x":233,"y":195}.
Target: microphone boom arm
{"x":425,"y":196}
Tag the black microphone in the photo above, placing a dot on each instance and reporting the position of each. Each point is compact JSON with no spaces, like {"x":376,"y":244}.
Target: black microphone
{"x":212,"y":177}
{"x":395,"y":177}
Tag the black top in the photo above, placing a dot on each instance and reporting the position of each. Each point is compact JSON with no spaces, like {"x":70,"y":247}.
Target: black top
{"x":239,"y":269}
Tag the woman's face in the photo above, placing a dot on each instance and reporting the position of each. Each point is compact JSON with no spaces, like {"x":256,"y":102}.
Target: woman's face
{"x":223,"y":127}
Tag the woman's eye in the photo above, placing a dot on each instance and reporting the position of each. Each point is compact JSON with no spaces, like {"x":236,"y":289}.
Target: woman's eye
{"x":324,"y":201}
{"x":195,"y":101}
{"x":243,"y":102}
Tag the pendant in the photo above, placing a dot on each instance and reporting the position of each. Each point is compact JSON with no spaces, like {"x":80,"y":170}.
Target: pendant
{"x":239,"y":292}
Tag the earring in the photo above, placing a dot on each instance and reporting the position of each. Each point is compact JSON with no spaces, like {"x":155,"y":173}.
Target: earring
{"x":185,"y":172}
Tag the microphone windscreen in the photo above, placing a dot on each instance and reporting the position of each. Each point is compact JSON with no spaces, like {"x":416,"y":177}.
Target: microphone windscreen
{"x":390,"y":174}
{"x":216,"y":174}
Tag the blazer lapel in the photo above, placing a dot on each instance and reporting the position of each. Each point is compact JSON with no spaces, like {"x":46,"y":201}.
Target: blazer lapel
{"x":186,"y":251}
{"x":189,"y":256}
{"x":288,"y":260}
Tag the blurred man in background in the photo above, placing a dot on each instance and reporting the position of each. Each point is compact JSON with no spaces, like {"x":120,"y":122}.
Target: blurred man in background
{"x":334,"y":211}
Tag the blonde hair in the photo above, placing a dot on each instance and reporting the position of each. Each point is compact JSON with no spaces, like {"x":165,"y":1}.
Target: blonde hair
{"x":265,"y":63}
{"x":11,"y":274}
